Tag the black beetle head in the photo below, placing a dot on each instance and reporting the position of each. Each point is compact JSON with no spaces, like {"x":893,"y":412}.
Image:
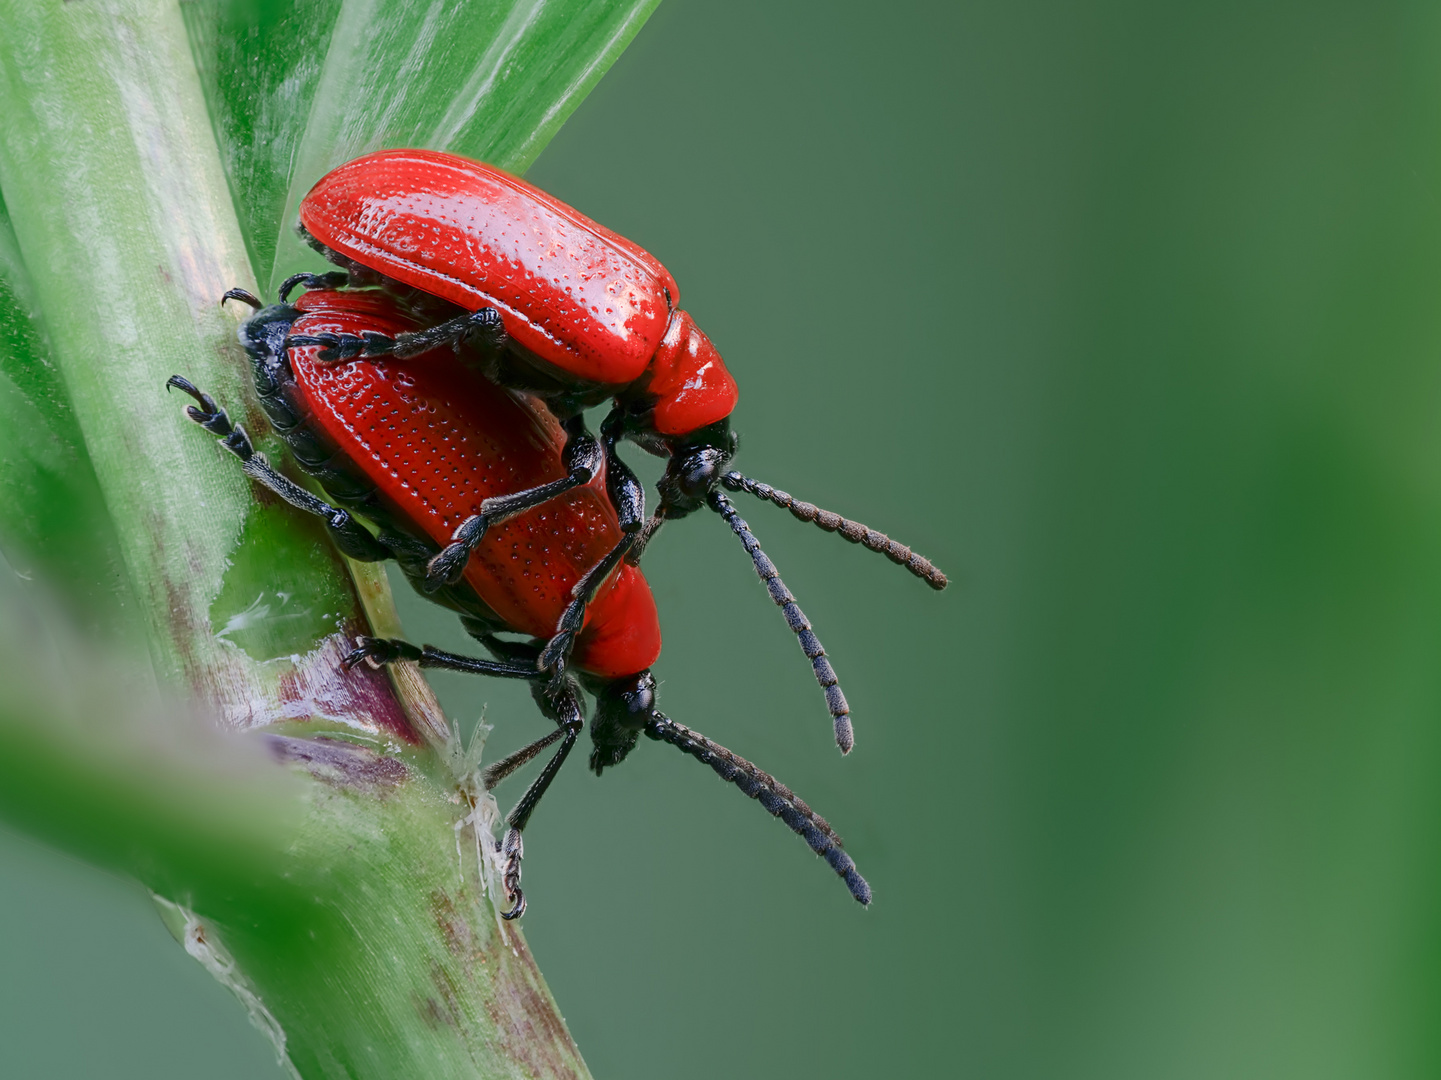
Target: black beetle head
{"x":695,"y":468}
{"x":622,"y":709}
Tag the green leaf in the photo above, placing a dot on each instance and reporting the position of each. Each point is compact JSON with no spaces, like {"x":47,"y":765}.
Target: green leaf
{"x":123,"y":216}
{"x":296,"y":89}
{"x":259,"y":64}
{"x":491,"y":81}
{"x":53,"y":519}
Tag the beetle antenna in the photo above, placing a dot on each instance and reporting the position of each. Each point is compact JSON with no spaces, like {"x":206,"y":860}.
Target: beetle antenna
{"x":853,"y":531}
{"x":765,"y":789}
{"x":795,"y":619}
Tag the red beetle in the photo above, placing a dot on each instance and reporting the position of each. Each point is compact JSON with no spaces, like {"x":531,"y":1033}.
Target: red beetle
{"x":413,"y":445}
{"x":542,"y":299}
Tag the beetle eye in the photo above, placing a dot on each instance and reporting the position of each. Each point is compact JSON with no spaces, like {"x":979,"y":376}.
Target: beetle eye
{"x":699,"y":471}
{"x":641,"y":698}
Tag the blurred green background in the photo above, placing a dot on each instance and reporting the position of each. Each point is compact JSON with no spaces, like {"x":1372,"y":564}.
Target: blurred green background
{"x":1126,"y":314}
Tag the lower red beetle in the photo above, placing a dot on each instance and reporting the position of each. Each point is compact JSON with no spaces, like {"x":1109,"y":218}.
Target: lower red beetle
{"x":414,"y":445}
{"x":543,"y":299}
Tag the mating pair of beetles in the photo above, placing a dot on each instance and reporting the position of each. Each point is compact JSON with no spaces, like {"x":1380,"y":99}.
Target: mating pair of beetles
{"x":437,"y":386}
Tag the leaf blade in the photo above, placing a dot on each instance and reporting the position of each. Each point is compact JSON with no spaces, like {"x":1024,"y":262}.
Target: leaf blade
{"x":390,"y":76}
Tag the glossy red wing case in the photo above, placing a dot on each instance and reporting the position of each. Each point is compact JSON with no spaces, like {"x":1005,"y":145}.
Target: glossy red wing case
{"x":437,"y":438}
{"x":570,"y":291}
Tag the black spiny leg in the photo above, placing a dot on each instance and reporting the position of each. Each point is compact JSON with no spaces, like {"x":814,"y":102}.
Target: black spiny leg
{"x":628,"y":498}
{"x":563,"y":707}
{"x":769,"y":792}
{"x":349,"y":535}
{"x":582,"y":458}
{"x":565,"y":710}
{"x":379,"y":651}
{"x":485,"y":326}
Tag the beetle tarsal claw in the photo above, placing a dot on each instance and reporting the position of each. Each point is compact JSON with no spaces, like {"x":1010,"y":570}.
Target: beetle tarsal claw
{"x":245,"y":296}
{"x":552,"y":657}
{"x":513,"y":848}
{"x":519,"y":909}
{"x":448,"y":566}
{"x":334,"y":280}
{"x":375,"y":653}
{"x":361,"y":652}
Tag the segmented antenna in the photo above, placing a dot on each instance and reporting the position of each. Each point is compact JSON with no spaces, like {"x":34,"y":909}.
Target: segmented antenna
{"x":853,"y":531}
{"x":761,"y":786}
{"x":795,"y":619}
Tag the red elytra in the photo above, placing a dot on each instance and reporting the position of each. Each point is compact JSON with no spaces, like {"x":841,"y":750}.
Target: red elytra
{"x":435,"y":439}
{"x":574,"y":296}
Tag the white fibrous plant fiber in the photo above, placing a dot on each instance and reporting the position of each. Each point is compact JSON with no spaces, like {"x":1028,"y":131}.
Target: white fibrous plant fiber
{"x":201,"y":943}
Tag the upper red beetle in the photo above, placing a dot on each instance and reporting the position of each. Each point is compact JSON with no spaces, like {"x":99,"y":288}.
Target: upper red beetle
{"x":581,"y":306}
{"x":542,"y":299}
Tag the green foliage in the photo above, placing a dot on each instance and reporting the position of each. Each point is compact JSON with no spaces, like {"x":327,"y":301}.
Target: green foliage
{"x":259,"y":64}
{"x":297,"y":89}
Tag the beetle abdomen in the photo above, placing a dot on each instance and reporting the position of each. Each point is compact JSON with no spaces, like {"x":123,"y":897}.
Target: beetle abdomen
{"x":570,"y":291}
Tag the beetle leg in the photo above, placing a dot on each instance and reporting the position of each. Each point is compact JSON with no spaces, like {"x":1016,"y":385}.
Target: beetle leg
{"x":647,"y":533}
{"x":349,"y":535}
{"x":582,"y":460}
{"x":484,"y":325}
{"x":338,"y":347}
{"x":377,"y":652}
{"x":565,"y":710}
{"x":628,"y":498}
{"x":497,"y":771}
{"x":557,"y":650}
{"x":562,"y":706}
{"x":513,"y":652}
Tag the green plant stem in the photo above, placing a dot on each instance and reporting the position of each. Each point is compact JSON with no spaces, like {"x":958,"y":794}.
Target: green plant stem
{"x":358,"y":922}
{"x":127,"y":272}
{"x":347,"y":898}
{"x":53,"y":521}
